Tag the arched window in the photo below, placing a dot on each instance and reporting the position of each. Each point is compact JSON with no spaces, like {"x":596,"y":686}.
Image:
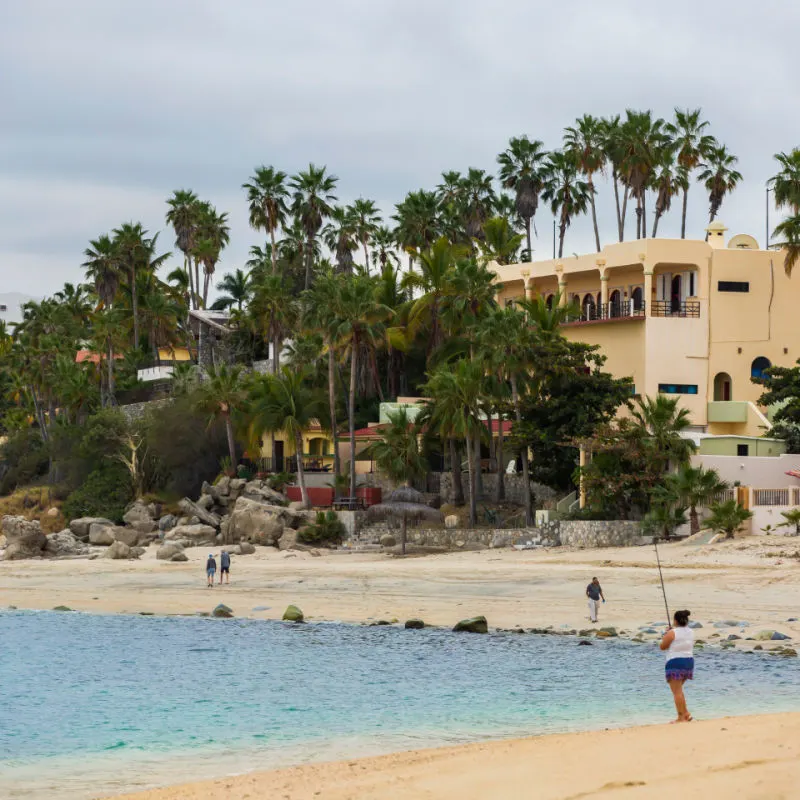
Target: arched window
{"x":723,"y":386}
{"x":615,"y":303}
{"x":758,"y":366}
{"x":589,"y":307}
{"x":637,"y":295}
{"x":551,"y":298}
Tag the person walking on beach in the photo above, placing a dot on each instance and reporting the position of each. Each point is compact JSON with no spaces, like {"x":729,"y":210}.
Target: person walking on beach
{"x":595,"y":594}
{"x":224,"y":566}
{"x":211,"y":569}
{"x":678,"y":642}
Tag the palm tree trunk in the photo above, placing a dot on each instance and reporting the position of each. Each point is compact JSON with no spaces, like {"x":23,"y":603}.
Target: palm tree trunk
{"x":616,"y":200}
{"x":683,"y":213}
{"x":562,"y":232}
{"x":594,"y":214}
{"x":455,"y":468}
{"x":337,"y":467}
{"x":196,"y":284}
{"x":351,"y":411}
{"x":110,"y":397}
{"x":500,"y":490}
{"x":478,"y":470}
{"x":135,"y":309}
{"x":655,"y":223}
{"x":273,"y":250}
{"x":644,"y":213}
{"x":366,"y":254}
{"x":309,"y":259}
{"x":528,"y":237}
{"x":301,"y":475}
{"x":231,"y":441}
{"x":525,"y":471}
{"x":187,"y":262}
{"x":694,"y":520}
{"x":622,"y":216}
{"x":473,"y":500}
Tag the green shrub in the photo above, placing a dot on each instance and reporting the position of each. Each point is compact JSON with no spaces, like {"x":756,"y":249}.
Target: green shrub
{"x":105,"y":493}
{"x":23,"y":458}
{"x":279,"y":480}
{"x":328,"y":529}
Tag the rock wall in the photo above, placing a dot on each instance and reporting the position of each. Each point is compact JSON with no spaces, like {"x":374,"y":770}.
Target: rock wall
{"x":601,"y":533}
{"x":136,"y":411}
{"x":544,"y":496}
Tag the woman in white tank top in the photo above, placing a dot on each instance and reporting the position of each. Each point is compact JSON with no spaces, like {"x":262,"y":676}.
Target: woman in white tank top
{"x":678,"y":644}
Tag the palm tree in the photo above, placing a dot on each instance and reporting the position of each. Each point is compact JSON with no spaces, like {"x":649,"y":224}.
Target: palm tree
{"x":340,"y":236}
{"x":285,"y":403}
{"x":417,"y":218}
{"x":359,"y":322}
{"x":384,"y":242}
{"x":222,"y":393}
{"x":366,"y":220}
{"x":791,"y":519}
{"x":313,"y":199}
{"x":500,"y":243}
{"x":719,"y":177}
{"x":661,"y":422}
{"x":566,"y":193}
{"x":267,"y":195}
{"x":612,"y":147}
{"x":274,"y":310}
{"x":786,"y":190}
{"x":693,"y":146}
{"x":182,"y":215}
{"x":236,"y":286}
{"x":586,"y":142}
{"x":789,"y":231}
{"x":212,"y":236}
{"x":522,"y":170}
{"x":479,"y":197}
{"x":693,"y":487}
{"x":669,"y":178}
{"x":727,"y":518}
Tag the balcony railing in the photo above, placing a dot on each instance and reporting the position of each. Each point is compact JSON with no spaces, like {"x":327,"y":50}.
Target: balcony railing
{"x":609,"y":311}
{"x":676,"y":308}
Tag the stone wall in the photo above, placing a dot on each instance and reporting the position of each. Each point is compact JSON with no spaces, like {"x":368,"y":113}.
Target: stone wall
{"x":544,"y":496}
{"x":601,"y":533}
{"x":136,"y":411}
{"x":477,"y":538}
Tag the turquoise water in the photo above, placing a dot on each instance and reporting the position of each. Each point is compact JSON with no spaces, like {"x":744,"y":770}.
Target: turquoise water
{"x":98,"y":704}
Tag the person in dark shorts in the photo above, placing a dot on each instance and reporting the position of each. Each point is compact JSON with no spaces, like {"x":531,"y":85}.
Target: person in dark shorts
{"x":211,"y":569}
{"x":678,"y":644}
{"x":224,"y":566}
{"x":595,"y":594}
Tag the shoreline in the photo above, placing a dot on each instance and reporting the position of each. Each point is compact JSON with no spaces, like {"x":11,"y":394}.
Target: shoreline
{"x":755,"y":756}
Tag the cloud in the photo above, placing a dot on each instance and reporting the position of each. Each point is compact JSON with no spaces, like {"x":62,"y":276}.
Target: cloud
{"x":111,"y":106}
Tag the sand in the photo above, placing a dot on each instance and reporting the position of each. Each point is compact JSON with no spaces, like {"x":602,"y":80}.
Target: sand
{"x":746,"y":757}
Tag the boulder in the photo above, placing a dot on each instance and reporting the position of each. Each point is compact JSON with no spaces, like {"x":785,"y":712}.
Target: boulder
{"x":167,"y":522}
{"x":80,"y":526}
{"x":387,"y":540}
{"x":777,"y":636}
{"x":256,"y":522}
{"x":145,"y":527}
{"x":288,"y":540}
{"x":102,"y":534}
{"x":451,"y":521}
{"x":128,"y":536}
{"x":233,"y":549}
{"x":296,"y":505}
{"x":154,"y":509}
{"x":695,"y":625}
{"x":137,"y":552}
{"x":473,"y":625}
{"x":168,"y":550}
{"x":192,"y":509}
{"x":607,"y":633}
{"x":24,"y":538}
{"x":193,"y":535}
{"x":246,"y":549}
{"x":414,"y":624}
{"x":293,"y":614}
{"x":65,"y":543}
{"x":118,"y":550}
{"x":258,"y":490}
{"x":138,"y":512}
{"x":205,"y":501}
{"x":222,"y":611}
{"x":584,"y":643}
{"x":222,"y":486}
{"x":180,"y":557}
{"x":235,"y":487}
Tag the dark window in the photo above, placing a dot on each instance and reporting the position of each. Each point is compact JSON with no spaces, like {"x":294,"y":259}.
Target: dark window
{"x":677,"y":388}
{"x":742,"y":449}
{"x":733,"y":286}
{"x":758,"y":366}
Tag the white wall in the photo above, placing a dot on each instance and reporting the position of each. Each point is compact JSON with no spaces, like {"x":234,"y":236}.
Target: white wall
{"x":768,"y":472}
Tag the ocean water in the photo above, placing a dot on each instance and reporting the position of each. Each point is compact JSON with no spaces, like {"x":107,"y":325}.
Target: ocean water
{"x":94,"y":705}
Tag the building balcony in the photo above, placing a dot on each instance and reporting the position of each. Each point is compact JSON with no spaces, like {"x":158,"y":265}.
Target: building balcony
{"x":675,"y":308}
{"x":730,"y":411}
{"x":608,"y":312}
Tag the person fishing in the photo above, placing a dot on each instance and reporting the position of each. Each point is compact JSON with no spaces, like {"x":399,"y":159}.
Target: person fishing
{"x":678,"y":642}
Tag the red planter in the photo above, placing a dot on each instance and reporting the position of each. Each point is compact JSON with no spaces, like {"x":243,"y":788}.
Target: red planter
{"x":371,"y":495}
{"x":317,"y":495}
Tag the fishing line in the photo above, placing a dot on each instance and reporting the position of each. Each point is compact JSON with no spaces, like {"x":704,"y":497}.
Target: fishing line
{"x":661,"y":575}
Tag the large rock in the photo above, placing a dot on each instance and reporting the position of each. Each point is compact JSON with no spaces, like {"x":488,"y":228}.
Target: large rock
{"x":288,"y":540}
{"x":206,"y":502}
{"x":473,"y":625}
{"x":246,"y":549}
{"x":256,"y":522}
{"x":232,"y":549}
{"x":80,"y":526}
{"x":119,"y":550}
{"x":193,"y":510}
{"x":258,"y":490}
{"x":194,"y":535}
{"x":145,"y":528}
{"x":128,"y":536}
{"x":414,"y":624}
{"x":222,"y":486}
{"x":102,"y":534}
{"x":167,"y":522}
{"x":293,"y":614}
{"x":180,"y":557}
{"x":236,"y":487}
{"x":388,"y":540}
{"x":65,"y":543}
{"x":138,"y":512}
{"x":222,"y":611}
{"x":168,"y":550}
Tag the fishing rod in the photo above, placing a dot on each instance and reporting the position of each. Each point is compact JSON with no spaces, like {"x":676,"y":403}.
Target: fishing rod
{"x":661,"y":576}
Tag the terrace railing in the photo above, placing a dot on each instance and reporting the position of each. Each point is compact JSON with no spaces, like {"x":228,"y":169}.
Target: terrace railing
{"x":675,"y":308}
{"x":609,"y":311}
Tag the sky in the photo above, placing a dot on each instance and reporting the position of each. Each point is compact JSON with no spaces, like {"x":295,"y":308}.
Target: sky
{"x":107,"y":107}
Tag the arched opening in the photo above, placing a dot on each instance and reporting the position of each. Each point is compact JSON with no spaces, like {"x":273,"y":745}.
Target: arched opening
{"x":589,"y":307}
{"x":551,"y":298}
{"x":758,"y":366}
{"x":723,"y":386}
{"x":615,"y":303}
{"x":637,"y":296}
{"x":318,"y":446}
{"x":676,"y":294}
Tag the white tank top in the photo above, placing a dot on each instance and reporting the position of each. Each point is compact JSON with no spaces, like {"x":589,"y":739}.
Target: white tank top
{"x":682,"y":645}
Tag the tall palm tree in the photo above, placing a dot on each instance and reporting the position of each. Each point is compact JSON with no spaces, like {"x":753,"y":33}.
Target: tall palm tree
{"x":479,"y":197}
{"x":222,"y":393}
{"x":567,"y":194}
{"x":522,"y":170}
{"x":417,"y":218}
{"x":274,"y":309}
{"x":285,"y":403}
{"x":693,"y":146}
{"x":612,"y":147}
{"x":366,"y":220}
{"x":786,"y":189}
{"x":313,"y":202}
{"x":182,"y":216}
{"x":213,"y":235}
{"x":668,"y":179}
{"x":384,"y":242}
{"x":267,"y":195}
{"x":340,"y":236}
{"x":789,"y":232}
{"x":586,"y":142}
{"x":236,"y":288}
{"x":719,"y":177}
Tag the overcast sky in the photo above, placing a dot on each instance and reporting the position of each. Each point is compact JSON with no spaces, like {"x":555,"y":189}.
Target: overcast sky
{"x":107,"y":107}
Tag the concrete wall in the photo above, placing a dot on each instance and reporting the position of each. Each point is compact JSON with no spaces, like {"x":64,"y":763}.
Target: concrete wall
{"x":759,"y":472}
{"x":727,"y":446}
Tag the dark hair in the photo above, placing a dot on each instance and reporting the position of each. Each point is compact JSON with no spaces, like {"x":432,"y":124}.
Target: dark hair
{"x":682,"y":618}
{"x":594,"y":579}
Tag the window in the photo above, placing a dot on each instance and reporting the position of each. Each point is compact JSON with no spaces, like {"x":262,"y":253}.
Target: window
{"x":677,"y":388}
{"x":742,"y":449}
{"x":758,"y":367}
{"x":733,"y":286}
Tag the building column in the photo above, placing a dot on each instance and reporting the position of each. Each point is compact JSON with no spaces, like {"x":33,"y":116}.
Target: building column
{"x":648,"y":293}
{"x":604,"y":290}
{"x":526,"y":282}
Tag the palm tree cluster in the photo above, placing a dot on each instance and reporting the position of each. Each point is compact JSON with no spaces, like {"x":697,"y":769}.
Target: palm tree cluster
{"x":786,"y":189}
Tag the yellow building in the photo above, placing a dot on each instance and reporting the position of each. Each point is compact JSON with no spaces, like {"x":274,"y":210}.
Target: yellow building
{"x":317,"y":451}
{"x":681,"y":317}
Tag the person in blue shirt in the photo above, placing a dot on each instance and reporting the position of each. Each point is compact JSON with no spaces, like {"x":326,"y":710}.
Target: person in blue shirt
{"x":595,"y":594}
{"x":211,"y":569}
{"x":224,"y":566}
